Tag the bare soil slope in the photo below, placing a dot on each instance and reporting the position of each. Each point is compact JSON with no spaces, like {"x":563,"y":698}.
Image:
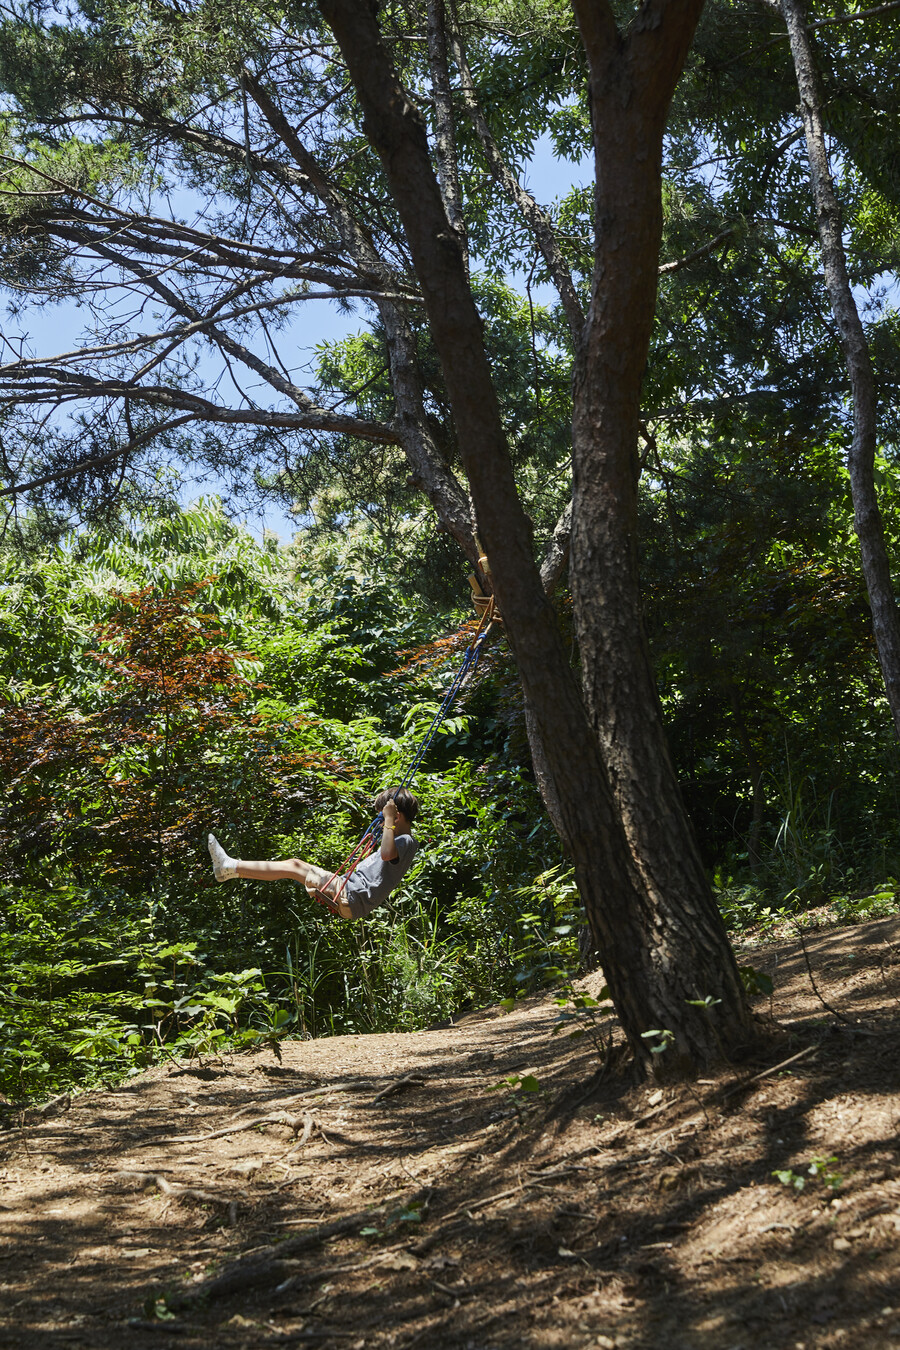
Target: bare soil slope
{"x":371,"y":1191}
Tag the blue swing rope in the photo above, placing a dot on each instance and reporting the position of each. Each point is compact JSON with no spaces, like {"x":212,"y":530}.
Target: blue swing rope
{"x":367,"y":839}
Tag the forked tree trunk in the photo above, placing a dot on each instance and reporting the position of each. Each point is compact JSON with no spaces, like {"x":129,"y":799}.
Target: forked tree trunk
{"x":867,"y":520}
{"x":657,"y":954}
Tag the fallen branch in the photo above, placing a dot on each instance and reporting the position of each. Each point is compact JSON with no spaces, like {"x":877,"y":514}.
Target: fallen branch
{"x":764,"y":1073}
{"x":638,"y":1121}
{"x":175,"y":1188}
{"x":801,"y":1054}
{"x":281,"y":1117}
{"x":399,"y":1085}
{"x":274,"y":1118}
{"x":308,"y":1123}
{"x":557,"y":1173}
{"x":812,"y":979}
{"x":166,"y":1328}
{"x":63,"y":1102}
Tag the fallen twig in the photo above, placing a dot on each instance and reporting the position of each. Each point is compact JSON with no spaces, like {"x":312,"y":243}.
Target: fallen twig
{"x":622,"y":1126}
{"x":281,"y":1117}
{"x":812,"y":979}
{"x":273,"y":1269}
{"x":408,"y":1081}
{"x":764,"y":1073}
{"x":650,"y":1115}
{"x":175,"y":1188}
{"x":168,"y":1328}
{"x":308,"y":1123}
{"x":679,"y":1125}
{"x":274,"y":1118}
{"x":63,"y":1102}
{"x":535,"y":1185}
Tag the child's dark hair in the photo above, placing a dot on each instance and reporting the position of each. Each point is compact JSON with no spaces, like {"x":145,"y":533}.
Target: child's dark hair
{"x":404,"y":799}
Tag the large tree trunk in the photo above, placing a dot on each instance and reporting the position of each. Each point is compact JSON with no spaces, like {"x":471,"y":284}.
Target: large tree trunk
{"x":654,"y":960}
{"x":876,"y":567}
{"x":631,"y":84}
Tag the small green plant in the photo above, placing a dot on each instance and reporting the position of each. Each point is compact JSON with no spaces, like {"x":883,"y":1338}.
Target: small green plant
{"x":707,"y":1003}
{"x":820,"y":1169}
{"x":157,"y":1310}
{"x":664,"y":1038}
{"x":411,"y":1213}
{"x":878,"y":905}
{"x":756,"y":981}
{"x":580,"y":1014}
{"x":549,"y":921}
{"x":788,"y":1177}
{"x":517,"y":1088}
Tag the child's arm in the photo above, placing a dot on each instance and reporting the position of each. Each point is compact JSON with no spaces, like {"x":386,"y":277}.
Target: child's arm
{"x":388,"y":845}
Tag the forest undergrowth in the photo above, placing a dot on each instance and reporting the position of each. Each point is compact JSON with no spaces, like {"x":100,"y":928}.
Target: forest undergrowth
{"x":180,"y":678}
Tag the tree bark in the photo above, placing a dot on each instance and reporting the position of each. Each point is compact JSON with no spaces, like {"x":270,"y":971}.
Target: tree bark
{"x":656,"y":956}
{"x":867,"y":520}
{"x":631,"y":84}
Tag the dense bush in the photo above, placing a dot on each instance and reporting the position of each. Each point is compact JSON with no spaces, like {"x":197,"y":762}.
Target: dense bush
{"x":181,"y":680}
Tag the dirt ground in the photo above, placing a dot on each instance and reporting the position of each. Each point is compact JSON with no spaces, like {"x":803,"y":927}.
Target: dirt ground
{"x":374,"y":1191}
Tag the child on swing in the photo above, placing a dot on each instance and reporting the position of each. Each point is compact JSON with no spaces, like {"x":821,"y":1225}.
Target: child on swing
{"x":370,"y":882}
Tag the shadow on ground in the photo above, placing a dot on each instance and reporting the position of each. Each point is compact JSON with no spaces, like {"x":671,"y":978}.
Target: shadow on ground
{"x":383,"y":1191}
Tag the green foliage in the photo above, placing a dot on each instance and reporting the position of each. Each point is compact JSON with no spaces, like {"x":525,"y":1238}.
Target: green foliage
{"x":768,"y":672}
{"x":548,"y":924}
{"x":662,"y":1037}
{"x":180,"y":678}
{"x":284,"y":709}
{"x":860,"y":908}
{"x":521,"y":1090}
{"x":820,"y":1169}
{"x":580,"y":1016}
{"x":391,"y":1219}
{"x":756,"y":981}
{"x":90,"y":992}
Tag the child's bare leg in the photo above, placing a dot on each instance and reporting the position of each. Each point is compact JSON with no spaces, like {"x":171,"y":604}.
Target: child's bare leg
{"x":284,"y":869}
{"x":289,"y":869}
{"x":273,"y":869}
{"x":279,"y":869}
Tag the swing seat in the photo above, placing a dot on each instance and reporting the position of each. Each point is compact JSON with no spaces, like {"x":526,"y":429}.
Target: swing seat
{"x":326,"y":898}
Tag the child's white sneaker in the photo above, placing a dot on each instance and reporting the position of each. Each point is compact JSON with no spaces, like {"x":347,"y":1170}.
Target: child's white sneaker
{"x":224,"y":867}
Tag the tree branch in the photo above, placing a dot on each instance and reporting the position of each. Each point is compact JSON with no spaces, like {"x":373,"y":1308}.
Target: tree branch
{"x":556,"y":554}
{"x":598,"y":29}
{"x":445,"y":132}
{"x":228,"y":344}
{"x":537,"y":219}
{"x":65,"y":386}
{"x":867,"y":519}
{"x":430,"y":472}
{"x":852,"y":18}
{"x":98,"y":460}
{"x":698,"y":253}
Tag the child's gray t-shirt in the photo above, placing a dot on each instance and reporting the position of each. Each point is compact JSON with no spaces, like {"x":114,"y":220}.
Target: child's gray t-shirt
{"x":374,"y":879}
